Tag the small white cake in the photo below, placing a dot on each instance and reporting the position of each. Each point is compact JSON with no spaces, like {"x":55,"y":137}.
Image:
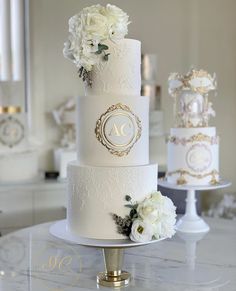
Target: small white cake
{"x":193,"y":156}
{"x":62,"y":157}
{"x":193,"y":146}
{"x":19,"y":166}
{"x":18,"y":158}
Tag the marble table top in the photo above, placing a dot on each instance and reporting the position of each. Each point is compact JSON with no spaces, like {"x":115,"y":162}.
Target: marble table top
{"x":33,"y":260}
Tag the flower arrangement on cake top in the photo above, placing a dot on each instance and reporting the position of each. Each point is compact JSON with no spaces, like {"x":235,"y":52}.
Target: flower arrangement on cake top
{"x":88,"y":30}
{"x":152,"y":218}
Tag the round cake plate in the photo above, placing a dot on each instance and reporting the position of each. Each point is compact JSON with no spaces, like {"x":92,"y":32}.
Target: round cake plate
{"x":113,"y":252}
{"x":191,"y":222}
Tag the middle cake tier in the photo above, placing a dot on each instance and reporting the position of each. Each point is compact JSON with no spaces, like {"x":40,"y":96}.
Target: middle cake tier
{"x":95,"y":193}
{"x":113,"y":130}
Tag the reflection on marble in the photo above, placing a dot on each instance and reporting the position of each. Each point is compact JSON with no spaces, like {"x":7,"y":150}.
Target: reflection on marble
{"x":33,"y":260}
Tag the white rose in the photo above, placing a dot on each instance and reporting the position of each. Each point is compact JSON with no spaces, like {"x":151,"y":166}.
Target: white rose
{"x":152,"y":207}
{"x":115,"y":14}
{"x":96,"y":26}
{"x":164,"y":204}
{"x":87,"y":62}
{"x":148,"y":211}
{"x":141,"y":231}
{"x":159,"y":211}
{"x":156,"y":196}
{"x":164,"y":228}
{"x":93,"y":9}
{"x":68,"y":50}
{"x":118,"y":22}
{"x":75,"y":25}
{"x":90,"y":27}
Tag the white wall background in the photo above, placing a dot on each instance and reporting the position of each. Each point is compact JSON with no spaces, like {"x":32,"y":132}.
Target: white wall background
{"x":182,"y":33}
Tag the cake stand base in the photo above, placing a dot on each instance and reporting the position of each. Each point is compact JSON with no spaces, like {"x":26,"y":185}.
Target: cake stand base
{"x":191,"y":222}
{"x":195,"y":225}
{"x":113,"y":253}
{"x":113,"y":275}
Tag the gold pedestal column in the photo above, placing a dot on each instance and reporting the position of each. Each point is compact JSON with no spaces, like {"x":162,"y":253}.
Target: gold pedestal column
{"x":113,"y":275}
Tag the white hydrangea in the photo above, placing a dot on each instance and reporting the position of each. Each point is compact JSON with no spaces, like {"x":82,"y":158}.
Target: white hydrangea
{"x":91,"y":27}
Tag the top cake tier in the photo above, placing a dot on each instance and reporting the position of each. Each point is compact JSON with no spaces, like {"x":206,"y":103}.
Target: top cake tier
{"x":120,"y":74}
{"x":190,"y":93}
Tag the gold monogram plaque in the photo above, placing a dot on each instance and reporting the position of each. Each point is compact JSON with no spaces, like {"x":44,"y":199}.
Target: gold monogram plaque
{"x":118,"y":129}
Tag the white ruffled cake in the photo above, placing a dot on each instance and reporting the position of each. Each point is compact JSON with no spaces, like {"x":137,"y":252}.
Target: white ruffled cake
{"x":193,"y":146}
{"x":112,"y":132}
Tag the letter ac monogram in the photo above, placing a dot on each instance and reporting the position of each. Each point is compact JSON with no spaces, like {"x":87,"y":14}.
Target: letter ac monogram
{"x":118,"y":131}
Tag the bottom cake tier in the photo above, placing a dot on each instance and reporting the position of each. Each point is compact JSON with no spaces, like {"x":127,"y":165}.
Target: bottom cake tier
{"x":95,"y":193}
{"x":193,"y":156}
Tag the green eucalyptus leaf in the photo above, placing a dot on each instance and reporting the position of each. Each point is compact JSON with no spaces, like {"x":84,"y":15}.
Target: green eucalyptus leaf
{"x":98,"y":52}
{"x":133,"y":213}
{"x":102,"y":47}
{"x":128,"y":198}
{"x":129,"y":206}
{"x":105,"y":58}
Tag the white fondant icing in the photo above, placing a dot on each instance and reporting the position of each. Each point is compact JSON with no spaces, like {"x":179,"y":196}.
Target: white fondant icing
{"x":100,"y":179}
{"x":91,"y":151}
{"x":197,"y":157}
{"x":97,"y":192}
{"x":121,"y":73}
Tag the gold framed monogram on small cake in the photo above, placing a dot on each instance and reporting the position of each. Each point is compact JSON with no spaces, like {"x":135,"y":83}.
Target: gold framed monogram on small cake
{"x":118,"y":129}
{"x":12,"y":130}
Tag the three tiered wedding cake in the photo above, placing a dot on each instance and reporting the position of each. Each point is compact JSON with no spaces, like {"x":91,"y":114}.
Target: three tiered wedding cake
{"x":112,"y":135}
{"x":193,"y":146}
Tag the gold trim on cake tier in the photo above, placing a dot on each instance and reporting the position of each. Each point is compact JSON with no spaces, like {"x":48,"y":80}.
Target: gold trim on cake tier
{"x":200,"y":137}
{"x":114,"y":148}
{"x":10,"y":109}
{"x":182,"y":179}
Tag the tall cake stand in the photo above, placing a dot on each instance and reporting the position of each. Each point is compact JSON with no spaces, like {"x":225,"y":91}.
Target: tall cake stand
{"x":191,"y":222}
{"x":113,"y":253}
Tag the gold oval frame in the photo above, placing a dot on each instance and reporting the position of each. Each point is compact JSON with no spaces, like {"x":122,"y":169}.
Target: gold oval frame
{"x":115,"y":149}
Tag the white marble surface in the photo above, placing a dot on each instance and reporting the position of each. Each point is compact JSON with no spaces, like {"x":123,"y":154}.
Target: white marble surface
{"x":33,"y":260}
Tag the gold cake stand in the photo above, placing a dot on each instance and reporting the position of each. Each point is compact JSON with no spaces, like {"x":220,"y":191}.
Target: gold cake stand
{"x":113,"y":276}
{"x":113,"y":253}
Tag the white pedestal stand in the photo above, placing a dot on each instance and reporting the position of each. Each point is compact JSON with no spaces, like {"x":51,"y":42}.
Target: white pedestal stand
{"x":191,"y":222}
{"x":113,"y":252}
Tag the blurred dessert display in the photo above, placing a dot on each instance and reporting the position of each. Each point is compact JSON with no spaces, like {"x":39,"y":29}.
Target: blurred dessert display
{"x":151,"y":89}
